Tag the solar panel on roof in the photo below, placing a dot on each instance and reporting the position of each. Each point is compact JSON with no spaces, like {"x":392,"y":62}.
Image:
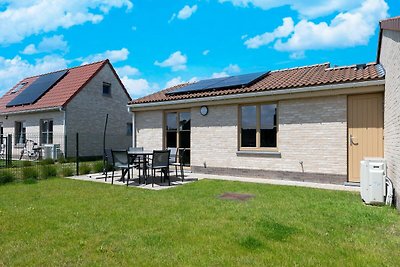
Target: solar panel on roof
{"x":221,"y":83}
{"x":37,"y":89}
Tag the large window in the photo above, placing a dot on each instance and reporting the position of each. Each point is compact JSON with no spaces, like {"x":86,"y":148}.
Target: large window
{"x":258,"y":126}
{"x":20,"y":132}
{"x":46,"y":131}
{"x":177,"y":132}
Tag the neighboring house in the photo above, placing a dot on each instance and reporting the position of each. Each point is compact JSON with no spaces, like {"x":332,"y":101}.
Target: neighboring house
{"x":312,"y":123}
{"x":51,"y":108}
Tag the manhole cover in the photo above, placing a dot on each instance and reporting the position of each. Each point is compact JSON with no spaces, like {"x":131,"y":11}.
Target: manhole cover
{"x":236,"y":196}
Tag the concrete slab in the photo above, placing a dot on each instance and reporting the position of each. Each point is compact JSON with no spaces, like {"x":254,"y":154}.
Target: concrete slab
{"x":191,"y":177}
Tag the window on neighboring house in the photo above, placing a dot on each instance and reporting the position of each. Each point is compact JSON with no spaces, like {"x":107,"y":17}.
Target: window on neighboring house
{"x":258,"y":126}
{"x":106,"y":89}
{"x":129,"y":128}
{"x":46,"y":131}
{"x":18,"y":87}
{"x":20,"y":132}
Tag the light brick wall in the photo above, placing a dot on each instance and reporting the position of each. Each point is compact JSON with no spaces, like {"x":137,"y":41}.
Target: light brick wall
{"x":87,"y":111}
{"x":32,"y":121}
{"x":390,"y":59}
{"x":310,"y":130}
{"x":149,"y":132}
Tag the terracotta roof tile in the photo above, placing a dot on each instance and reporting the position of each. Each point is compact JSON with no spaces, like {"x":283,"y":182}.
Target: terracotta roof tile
{"x":58,"y":95}
{"x":316,"y":75}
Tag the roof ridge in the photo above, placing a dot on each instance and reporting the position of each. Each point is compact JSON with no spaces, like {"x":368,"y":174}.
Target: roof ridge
{"x":351,"y":66}
{"x":302,"y":67}
{"x":81,"y":66}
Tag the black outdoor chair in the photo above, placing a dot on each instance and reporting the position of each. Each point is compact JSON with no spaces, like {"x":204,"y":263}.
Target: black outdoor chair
{"x":121,"y":161}
{"x":179,"y":163}
{"x":160,"y":161}
{"x":137,"y":161}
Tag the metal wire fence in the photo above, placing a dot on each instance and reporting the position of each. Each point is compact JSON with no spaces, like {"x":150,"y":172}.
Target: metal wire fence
{"x":34,"y":156}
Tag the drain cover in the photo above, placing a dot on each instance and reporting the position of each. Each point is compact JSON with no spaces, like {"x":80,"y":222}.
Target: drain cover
{"x":236,"y":196}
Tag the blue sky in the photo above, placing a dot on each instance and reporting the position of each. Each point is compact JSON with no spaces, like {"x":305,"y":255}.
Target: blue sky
{"x":158,"y":43}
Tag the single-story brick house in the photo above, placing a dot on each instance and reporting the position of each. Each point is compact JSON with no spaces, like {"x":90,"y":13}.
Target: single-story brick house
{"x":51,"y":108}
{"x":312,"y":123}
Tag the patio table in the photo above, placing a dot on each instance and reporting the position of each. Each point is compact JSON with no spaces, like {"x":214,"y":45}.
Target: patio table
{"x":145,"y":154}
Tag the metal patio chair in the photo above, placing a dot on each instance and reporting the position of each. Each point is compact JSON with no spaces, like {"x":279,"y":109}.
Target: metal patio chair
{"x":179,"y":163}
{"x":121,"y":161}
{"x":160,"y":161}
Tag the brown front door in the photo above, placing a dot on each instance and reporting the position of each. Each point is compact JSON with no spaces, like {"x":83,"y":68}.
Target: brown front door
{"x":365,"y":131}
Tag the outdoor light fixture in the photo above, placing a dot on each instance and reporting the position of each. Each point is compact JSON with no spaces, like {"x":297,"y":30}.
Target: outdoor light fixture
{"x":204,"y":110}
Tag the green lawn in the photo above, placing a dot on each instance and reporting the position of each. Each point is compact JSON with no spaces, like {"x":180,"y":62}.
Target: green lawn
{"x":69,"y":223}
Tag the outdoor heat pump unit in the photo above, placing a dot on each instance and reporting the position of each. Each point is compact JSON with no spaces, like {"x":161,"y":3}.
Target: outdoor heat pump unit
{"x":373,"y":180}
{"x":51,"y":151}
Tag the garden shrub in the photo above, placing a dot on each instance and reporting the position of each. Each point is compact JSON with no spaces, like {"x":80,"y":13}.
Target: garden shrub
{"x":98,"y":166}
{"x":67,"y":171}
{"x":6,"y":177}
{"x":47,"y":161}
{"x":84,"y":168}
{"x":26,"y":163}
{"x":47,"y":171}
{"x":30,"y":173}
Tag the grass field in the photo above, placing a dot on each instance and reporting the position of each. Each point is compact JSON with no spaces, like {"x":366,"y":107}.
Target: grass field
{"x":66,"y":222}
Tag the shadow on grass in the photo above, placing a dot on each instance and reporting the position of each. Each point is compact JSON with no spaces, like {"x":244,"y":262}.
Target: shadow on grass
{"x":275,"y":231}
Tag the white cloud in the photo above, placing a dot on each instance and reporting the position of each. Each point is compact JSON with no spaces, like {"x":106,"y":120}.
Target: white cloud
{"x":206,"y":52}
{"x":176,"y":61}
{"x":30,"y":50}
{"x":178,"y":80}
{"x":127,"y":71}
{"x":172,"y":18}
{"x":266,"y":38}
{"x":297,"y":55}
{"x":347,"y":29}
{"x":230,"y":70}
{"x":186,"y":12}
{"x":48,"y":44}
{"x":24,"y":18}
{"x":14,"y":69}
{"x":113,"y":55}
{"x":306,"y":8}
{"x":139,"y":87}
{"x":221,"y":74}
{"x":244,"y":36}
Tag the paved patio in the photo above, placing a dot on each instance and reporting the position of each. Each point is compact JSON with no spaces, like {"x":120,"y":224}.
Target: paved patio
{"x":192,"y":177}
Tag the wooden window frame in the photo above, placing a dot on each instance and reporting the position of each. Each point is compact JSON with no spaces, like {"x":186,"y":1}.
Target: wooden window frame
{"x":258,"y":127}
{"x":177,"y":111}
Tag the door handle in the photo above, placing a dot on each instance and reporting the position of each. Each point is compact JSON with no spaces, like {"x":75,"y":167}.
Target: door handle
{"x":351,"y":141}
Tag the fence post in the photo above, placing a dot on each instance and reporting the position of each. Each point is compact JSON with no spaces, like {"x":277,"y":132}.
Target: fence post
{"x":9,"y":151}
{"x":65,"y":146}
{"x":77,"y":153}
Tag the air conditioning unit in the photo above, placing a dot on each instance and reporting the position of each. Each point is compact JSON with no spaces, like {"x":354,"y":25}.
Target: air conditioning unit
{"x":373,"y":180}
{"x":51,"y":151}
